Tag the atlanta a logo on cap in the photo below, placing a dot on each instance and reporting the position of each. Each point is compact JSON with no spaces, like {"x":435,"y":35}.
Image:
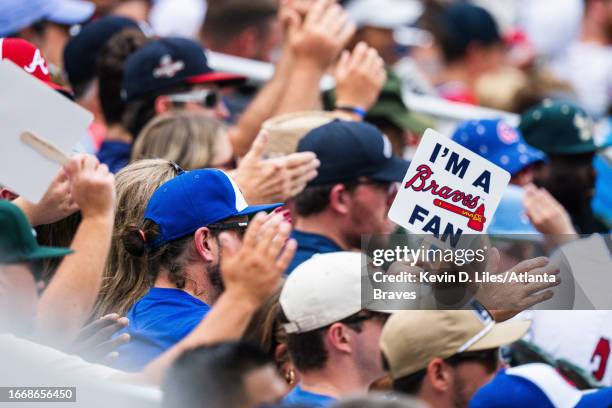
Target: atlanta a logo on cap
{"x":168,"y":68}
{"x":37,"y":62}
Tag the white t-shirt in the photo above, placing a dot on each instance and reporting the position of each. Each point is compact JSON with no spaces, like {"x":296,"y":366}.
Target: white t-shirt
{"x":28,"y":364}
{"x":588,"y":68}
{"x":25,"y":353}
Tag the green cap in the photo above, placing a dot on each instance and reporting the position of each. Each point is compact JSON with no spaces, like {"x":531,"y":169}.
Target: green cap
{"x":558,"y":128}
{"x":391,"y":106}
{"x":18,"y":239}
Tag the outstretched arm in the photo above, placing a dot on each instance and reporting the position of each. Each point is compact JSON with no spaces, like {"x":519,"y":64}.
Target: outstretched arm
{"x":67,"y":301}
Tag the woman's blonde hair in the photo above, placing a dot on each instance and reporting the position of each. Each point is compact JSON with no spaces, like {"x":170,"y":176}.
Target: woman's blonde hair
{"x":126,"y":278}
{"x":186,"y":138}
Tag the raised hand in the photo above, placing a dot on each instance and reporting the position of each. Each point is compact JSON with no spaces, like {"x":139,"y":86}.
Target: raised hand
{"x":273,"y":180}
{"x":360,"y":76}
{"x":318,"y":38}
{"x":56,"y":204}
{"x":505,"y":300}
{"x":92,"y":186}
{"x":546,"y":214}
{"x":254,"y":270}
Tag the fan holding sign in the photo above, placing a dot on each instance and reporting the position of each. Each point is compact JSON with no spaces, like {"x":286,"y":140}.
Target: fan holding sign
{"x":448,"y":191}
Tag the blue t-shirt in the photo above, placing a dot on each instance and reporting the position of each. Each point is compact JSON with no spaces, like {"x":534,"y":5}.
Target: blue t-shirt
{"x":298,"y":396}
{"x":159,"y":320}
{"x":115,"y":154}
{"x":309,"y":244}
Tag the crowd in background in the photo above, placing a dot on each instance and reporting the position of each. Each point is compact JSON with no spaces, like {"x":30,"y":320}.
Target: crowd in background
{"x":201,"y":248}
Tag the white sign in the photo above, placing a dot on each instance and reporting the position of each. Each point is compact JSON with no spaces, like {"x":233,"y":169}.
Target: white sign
{"x":28,"y":105}
{"x":448,"y":190}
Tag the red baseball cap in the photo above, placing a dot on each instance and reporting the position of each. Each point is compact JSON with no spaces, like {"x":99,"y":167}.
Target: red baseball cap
{"x":28,"y":58}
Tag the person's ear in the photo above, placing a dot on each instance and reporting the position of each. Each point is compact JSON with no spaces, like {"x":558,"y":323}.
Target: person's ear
{"x":204,"y":246}
{"x":339,"y":337}
{"x":439,"y":375}
{"x":340,"y":199}
{"x":162,"y":104}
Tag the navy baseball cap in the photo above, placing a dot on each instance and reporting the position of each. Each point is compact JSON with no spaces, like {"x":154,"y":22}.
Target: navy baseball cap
{"x":467,"y":23}
{"x":348,"y":150}
{"x":82,"y":49}
{"x":498,"y":142}
{"x":166,"y":63}
{"x":536,"y":385}
{"x":195,"y":199}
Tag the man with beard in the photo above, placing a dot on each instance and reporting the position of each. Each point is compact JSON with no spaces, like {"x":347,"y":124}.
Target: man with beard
{"x":352,"y":193}
{"x":180,"y":237}
{"x":565,"y":133}
{"x":446,"y":363}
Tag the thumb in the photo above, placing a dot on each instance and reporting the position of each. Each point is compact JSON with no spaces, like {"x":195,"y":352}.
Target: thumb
{"x":258,"y":147}
{"x":493,"y":261}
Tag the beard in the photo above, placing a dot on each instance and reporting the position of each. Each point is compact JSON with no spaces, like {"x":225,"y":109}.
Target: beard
{"x":461,"y":399}
{"x":214,"y":275}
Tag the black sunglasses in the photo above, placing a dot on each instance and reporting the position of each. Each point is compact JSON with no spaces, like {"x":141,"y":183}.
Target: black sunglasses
{"x":239,"y":226}
{"x":490,"y":358}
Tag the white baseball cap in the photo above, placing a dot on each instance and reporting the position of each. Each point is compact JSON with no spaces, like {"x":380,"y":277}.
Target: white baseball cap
{"x":322,"y":290}
{"x":389,"y":14}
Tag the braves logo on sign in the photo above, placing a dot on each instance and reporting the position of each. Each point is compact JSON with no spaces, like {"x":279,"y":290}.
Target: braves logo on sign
{"x":168,"y":68}
{"x":448,"y":190}
{"x":37,"y":62}
{"x":506,"y":133}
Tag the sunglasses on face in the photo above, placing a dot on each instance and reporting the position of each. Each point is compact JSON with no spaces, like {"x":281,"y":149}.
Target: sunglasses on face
{"x":208,"y":98}
{"x":489,"y":358}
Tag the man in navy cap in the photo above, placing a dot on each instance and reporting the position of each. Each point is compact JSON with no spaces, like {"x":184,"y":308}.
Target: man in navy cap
{"x":188,"y":221}
{"x":471,"y":46}
{"x":83,"y":58}
{"x":165,"y":74}
{"x":352,"y":193}
{"x":82,"y":51}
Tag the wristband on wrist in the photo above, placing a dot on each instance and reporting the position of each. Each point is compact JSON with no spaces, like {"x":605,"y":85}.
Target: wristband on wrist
{"x":352,"y":109}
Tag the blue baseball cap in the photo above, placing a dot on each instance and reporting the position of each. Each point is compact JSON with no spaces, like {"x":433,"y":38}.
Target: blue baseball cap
{"x":498,"y":142}
{"x":348,"y":150}
{"x":81,"y":51}
{"x":195,"y":199}
{"x":15,"y":15}
{"x":536,"y":385}
{"x":510,"y":217}
{"x":168,"y":62}
{"x":69,"y":12}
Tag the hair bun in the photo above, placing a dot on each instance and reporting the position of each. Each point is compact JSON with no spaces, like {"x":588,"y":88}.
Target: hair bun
{"x":134,"y":241}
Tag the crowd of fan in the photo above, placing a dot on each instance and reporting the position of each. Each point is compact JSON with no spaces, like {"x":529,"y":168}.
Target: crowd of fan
{"x":202,"y":247}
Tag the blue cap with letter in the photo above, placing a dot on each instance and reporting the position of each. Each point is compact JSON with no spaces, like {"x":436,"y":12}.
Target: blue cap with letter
{"x":195,"y":199}
{"x":498,"y":142}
